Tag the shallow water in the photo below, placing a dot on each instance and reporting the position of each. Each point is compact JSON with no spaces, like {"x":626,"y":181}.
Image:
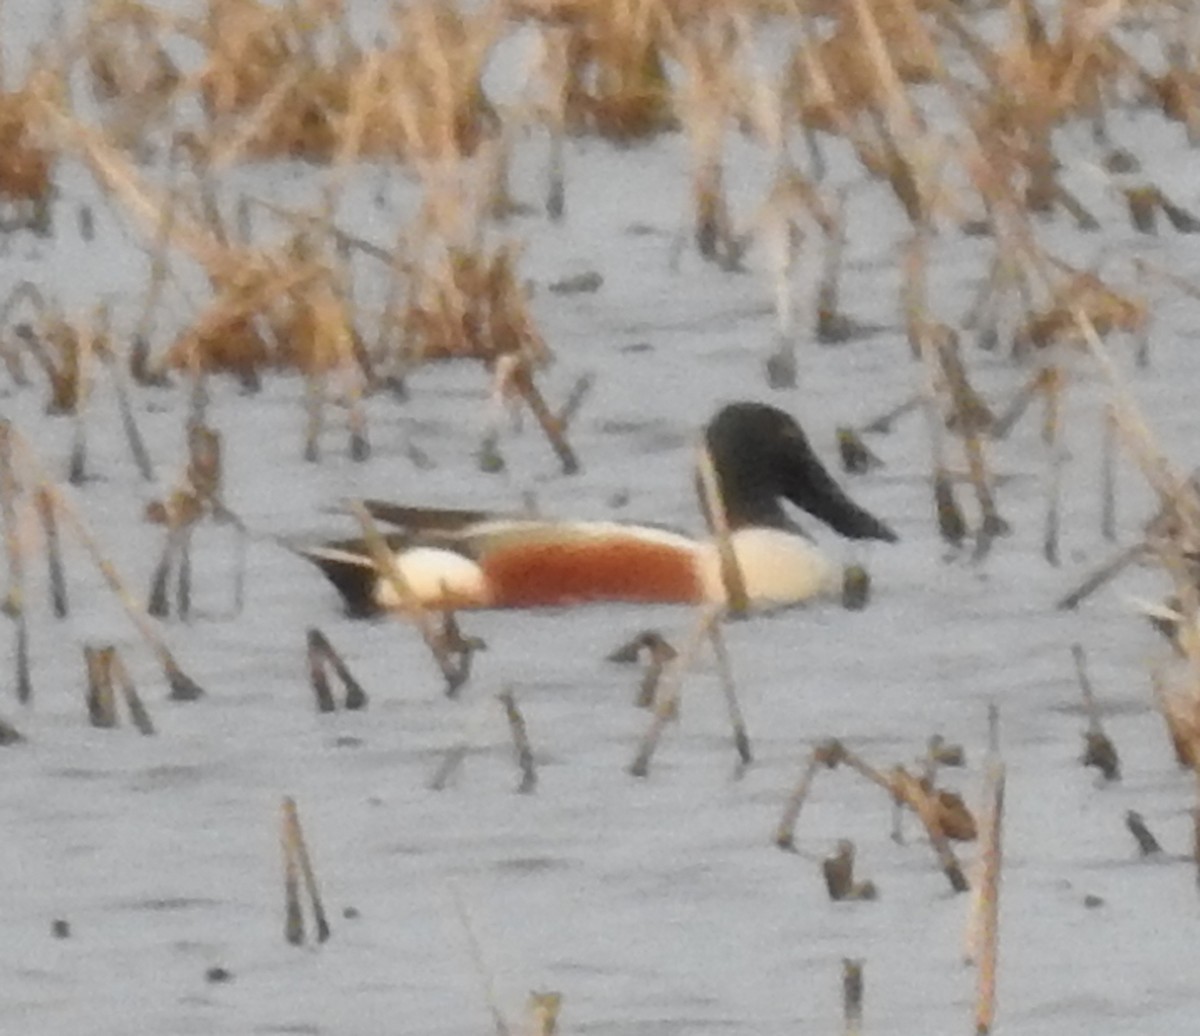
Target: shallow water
{"x":655,"y":905}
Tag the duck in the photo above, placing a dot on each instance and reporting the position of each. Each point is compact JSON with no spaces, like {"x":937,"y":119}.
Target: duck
{"x":452,"y":559}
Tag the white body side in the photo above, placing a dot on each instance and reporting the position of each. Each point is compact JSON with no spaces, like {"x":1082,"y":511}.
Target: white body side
{"x":433,"y":574}
{"x":777,"y":567}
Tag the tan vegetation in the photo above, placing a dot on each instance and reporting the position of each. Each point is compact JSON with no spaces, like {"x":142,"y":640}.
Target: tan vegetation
{"x":958,"y":110}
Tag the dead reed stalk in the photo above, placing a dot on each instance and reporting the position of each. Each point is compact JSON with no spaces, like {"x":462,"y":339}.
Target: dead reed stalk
{"x":297,"y":863}
{"x":1099,"y":751}
{"x":827,"y":754}
{"x":15,"y":604}
{"x":983,"y":933}
{"x":322,"y":656}
{"x":101,"y":702}
{"x":454,"y":659}
{"x":54,"y":564}
{"x":985,"y":1005}
{"x":1147,"y":844}
{"x":737,"y":722}
{"x":666,"y":702}
{"x":183,"y":687}
{"x":852,"y":995}
{"x":482,"y":971}
{"x":545,"y":1009}
{"x":119,"y":676}
{"x":106,"y":673}
{"x":515,"y":376}
{"x":838,"y":872}
{"x":1108,"y":482}
{"x":520,"y":736}
{"x":712,"y":503}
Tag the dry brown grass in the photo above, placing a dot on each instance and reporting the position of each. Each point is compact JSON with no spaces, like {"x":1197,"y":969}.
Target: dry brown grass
{"x":27,"y":154}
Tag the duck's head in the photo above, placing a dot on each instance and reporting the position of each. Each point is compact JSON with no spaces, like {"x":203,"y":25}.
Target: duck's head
{"x":760,"y":456}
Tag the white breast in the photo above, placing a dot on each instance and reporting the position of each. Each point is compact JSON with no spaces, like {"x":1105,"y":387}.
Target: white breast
{"x":777,"y":567}
{"x":434,"y":575}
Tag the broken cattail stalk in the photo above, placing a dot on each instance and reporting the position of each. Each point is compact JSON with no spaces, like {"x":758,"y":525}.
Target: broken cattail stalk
{"x":827,"y":754}
{"x":1108,"y":465}
{"x":991,"y":855}
{"x":882,"y":424}
{"x":838,"y":871}
{"x":1003,"y":425}
{"x":1147,"y":844}
{"x":1084,"y":220}
{"x":293,"y":924}
{"x":852,"y":995}
{"x":241,"y":536}
{"x":974,"y":929}
{"x":204,"y":467}
{"x":517,"y":375}
{"x":659,"y":654}
{"x":360,"y":444}
{"x":556,"y":192}
{"x":158,"y":601}
{"x":910,"y":791}
{"x":1143,"y":337}
{"x":856,"y":588}
{"x":1102,"y":575}
{"x":483,"y":972}
{"x":861,"y":766}
{"x":972,"y":417}
{"x":1195,"y":831}
{"x":183,"y":687}
{"x":295,"y":851}
{"x":1161,"y":474}
{"x":952,"y":525}
{"x":941,"y":752}
{"x":544,"y":1009}
{"x":477,"y":718}
{"x":118,"y":676}
{"x":857,"y":459}
{"x":459,"y":646}
{"x":451,"y":761}
{"x":314,"y":419}
{"x":712,"y":503}
{"x":101,"y":702}
{"x":77,"y":467}
{"x":833,"y":326}
{"x":780,"y":240}
{"x":133,"y":435}
{"x":1181,"y":726}
{"x":15,"y":603}
{"x":183,"y":582}
{"x":454,"y":670}
{"x":9,"y":735}
{"x":1099,"y":751}
{"x":316,"y":672}
{"x":1051,"y":436}
{"x":54,"y":564}
{"x":1179,"y":218}
{"x":575,"y":400}
{"x":520,"y":736}
{"x":1143,"y":203}
{"x":666,"y":703}
{"x":321,"y":653}
{"x":737,"y":722}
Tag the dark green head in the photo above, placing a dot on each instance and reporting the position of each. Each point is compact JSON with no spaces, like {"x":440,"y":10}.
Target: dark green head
{"x":761,"y":456}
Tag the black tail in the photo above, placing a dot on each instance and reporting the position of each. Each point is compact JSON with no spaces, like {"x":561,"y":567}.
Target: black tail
{"x":353,"y":575}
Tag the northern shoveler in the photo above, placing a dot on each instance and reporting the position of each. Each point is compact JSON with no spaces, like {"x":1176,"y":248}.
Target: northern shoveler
{"x":473,"y":559}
